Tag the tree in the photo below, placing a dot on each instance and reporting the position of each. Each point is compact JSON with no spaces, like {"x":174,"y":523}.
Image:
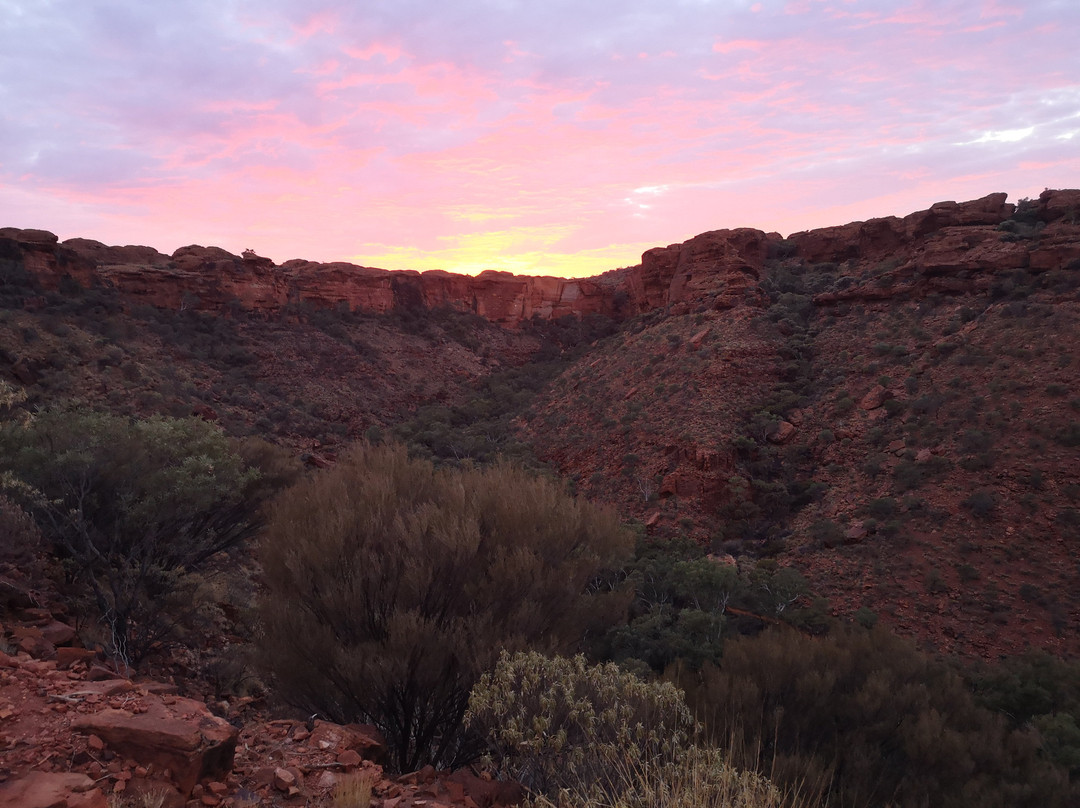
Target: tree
{"x":392,"y":586}
{"x":131,"y":508}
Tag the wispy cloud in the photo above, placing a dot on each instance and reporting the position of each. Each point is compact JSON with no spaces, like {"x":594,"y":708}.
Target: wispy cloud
{"x":500,"y":133}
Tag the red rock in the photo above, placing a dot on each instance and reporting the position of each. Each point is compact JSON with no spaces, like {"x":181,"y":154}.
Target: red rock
{"x":724,"y":559}
{"x":94,"y":798}
{"x":184,"y":738}
{"x":363,"y":738}
{"x":58,"y":633}
{"x":68,"y":656}
{"x":37,"y":647}
{"x":99,"y":673}
{"x":104,"y":687}
{"x":721,"y":267}
{"x":1059,"y":204}
{"x":160,"y":688}
{"x":284,"y":779}
{"x":350,"y":758}
{"x":696,"y":340}
{"x":875,"y":398}
{"x":29,"y":236}
{"x":962,"y":249}
{"x":205,"y":412}
{"x":676,"y":484}
{"x":486,"y":793}
{"x":326,"y":781}
{"x":48,"y":790}
{"x":317,"y":461}
{"x":784,"y":432}
{"x":718,"y":269}
{"x":855,"y":533}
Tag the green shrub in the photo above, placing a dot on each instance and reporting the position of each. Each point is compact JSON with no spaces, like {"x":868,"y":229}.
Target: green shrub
{"x":581,"y":736}
{"x":678,"y":609}
{"x":881,"y":508}
{"x":132,"y":508}
{"x":20,"y":538}
{"x":555,"y":723}
{"x":1069,"y":435}
{"x":866,"y":617}
{"x":827,"y":532}
{"x":981,"y":503}
{"x":391,"y":586}
{"x":879,"y":722}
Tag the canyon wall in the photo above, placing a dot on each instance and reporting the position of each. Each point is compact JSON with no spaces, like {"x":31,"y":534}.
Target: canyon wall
{"x":950,"y":247}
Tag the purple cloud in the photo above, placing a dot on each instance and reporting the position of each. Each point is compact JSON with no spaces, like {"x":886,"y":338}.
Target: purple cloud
{"x":336,"y":130}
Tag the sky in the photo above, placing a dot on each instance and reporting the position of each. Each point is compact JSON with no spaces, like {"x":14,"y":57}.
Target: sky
{"x":541,"y":137}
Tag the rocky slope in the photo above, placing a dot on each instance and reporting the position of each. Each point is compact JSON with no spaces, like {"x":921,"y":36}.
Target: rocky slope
{"x":889,"y":405}
{"x":79,"y":734}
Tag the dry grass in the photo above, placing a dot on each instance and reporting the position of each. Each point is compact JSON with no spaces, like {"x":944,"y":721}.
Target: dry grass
{"x":353,"y":791}
{"x":694,"y":777}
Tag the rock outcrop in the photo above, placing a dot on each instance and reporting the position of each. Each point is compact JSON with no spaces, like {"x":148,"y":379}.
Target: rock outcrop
{"x":933,"y":250}
{"x":177,"y":735}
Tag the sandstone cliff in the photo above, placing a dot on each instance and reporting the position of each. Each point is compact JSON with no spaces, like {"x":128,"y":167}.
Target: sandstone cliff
{"x":950,"y":247}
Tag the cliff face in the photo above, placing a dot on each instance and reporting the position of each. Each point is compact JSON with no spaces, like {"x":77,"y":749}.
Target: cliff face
{"x":952,"y":247}
{"x":212,"y":279}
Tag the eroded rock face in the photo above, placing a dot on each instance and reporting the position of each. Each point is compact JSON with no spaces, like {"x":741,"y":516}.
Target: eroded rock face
{"x":877,"y":238}
{"x":932,"y":250}
{"x":720,"y":269}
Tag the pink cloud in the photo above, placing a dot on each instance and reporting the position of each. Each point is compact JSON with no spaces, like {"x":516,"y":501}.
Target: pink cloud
{"x":731,"y":46}
{"x":330,"y":130}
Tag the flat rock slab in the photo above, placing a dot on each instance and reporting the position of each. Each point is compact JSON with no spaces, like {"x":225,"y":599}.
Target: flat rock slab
{"x":182,"y":736}
{"x":48,"y":790}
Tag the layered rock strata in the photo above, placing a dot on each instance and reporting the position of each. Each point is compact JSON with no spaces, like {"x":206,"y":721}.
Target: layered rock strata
{"x":945,"y":248}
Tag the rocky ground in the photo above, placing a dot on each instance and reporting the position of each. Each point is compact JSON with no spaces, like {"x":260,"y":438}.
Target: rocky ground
{"x":77,"y":733}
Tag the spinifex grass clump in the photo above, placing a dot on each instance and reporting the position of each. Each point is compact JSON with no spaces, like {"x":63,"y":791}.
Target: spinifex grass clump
{"x":581,"y":735}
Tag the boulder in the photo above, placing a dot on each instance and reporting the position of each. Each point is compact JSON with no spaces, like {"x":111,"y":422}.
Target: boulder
{"x":51,"y":790}
{"x":485,"y":793}
{"x":363,"y":739}
{"x":58,"y":633}
{"x":855,"y":533}
{"x":183,"y":736}
{"x":875,"y":398}
{"x":29,"y":235}
{"x":784,"y":432}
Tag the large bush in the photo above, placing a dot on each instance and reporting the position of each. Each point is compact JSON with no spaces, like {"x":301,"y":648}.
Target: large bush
{"x":131,"y":508}
{"x":871,"y":720}
{"x":391,"y":586}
